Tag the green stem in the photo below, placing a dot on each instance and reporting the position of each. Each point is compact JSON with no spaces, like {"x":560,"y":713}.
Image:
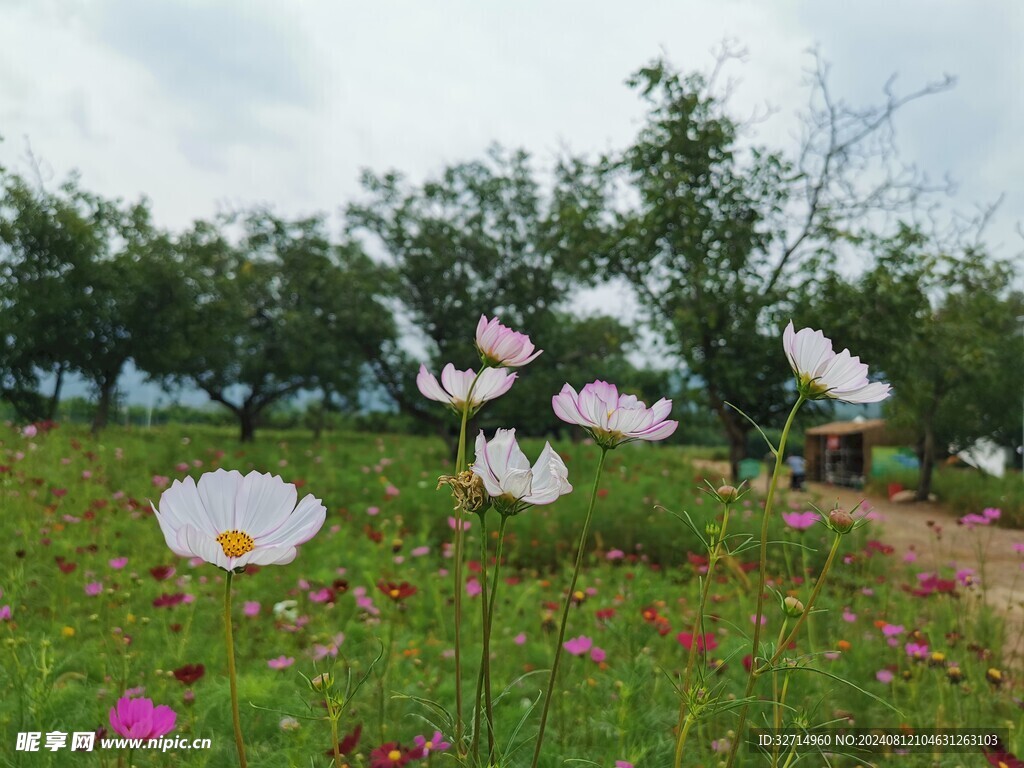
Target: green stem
{"x":762,"y":567}
{"x":810,"y":604}
{"x":460,"y":465}
{"x":482,"y":676}
{"x":239,"y":744}
{"x":565,"y":609}
{"x":683,"y":726}
{"x":489,"y":701}
{"x":334,"y":715}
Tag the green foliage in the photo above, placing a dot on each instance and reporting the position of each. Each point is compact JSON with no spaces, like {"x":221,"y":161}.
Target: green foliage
{"x":279,"y":309}
{"x":943,"y":331}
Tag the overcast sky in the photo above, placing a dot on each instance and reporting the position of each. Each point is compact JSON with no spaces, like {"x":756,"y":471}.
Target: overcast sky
{"x":199,"y":105}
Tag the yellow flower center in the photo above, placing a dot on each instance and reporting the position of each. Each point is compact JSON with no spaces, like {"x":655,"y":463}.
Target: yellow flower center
{"x":428,"y":745}
{"x":395,"y":755}
{"x":394,"y":594}
{"x":236,"y":543}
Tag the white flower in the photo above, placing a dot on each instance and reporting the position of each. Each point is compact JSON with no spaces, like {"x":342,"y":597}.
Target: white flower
{"x":508,"y":478}
{"x":612,"y":418}
{"x":822,"y":373}
{"x":233,"y":521}
{"x":455,"y":384}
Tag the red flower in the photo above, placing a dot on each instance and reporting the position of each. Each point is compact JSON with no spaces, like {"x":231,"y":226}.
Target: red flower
{"x":189,"y":673}
{"x":704,"y":642}
{"x":348,"y":743}
{"x":1000,"y":758}
{"x":396,"y":592}
{"x":162,"y":572}
{"x":393,"y":755}
{"x":65,"y":567}
{"x":166,"y":601}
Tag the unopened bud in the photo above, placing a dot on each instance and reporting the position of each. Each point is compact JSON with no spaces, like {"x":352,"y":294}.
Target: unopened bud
{"x":841,"y":520}
{"x":321,"y":682}
{"x":792,"y":607}
{"x":727,"y":494}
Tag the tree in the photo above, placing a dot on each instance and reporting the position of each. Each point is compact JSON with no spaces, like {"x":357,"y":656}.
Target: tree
{"x":941,"y":324}
{"x":53,"y":249}
{"x":277,"y":309}
{"x":480,"y":239}
{"x":699,"y":222}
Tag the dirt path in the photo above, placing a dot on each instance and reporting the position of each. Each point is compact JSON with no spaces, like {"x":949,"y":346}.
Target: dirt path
{"x":932,"y":533}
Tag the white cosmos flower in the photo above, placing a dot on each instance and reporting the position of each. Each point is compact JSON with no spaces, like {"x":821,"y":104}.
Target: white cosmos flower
{"x":611,"y":418}
{"x":508,"y":477}
{"x":232,"y":521}
{"x":455,"y":384}
{"x":822,"y":373}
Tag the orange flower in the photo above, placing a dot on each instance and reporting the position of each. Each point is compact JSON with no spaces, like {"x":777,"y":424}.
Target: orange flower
{"x":843,"y":646}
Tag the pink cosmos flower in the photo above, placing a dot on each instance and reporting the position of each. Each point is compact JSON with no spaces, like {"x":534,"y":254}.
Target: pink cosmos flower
{"x":473,"y":588}
{"x":800,"y":521}
{"x":139,"y":719}
{"x":704,"y":642}
{"x":578,"y":645}
{"x":598,"y":655}
{"x":884,"y":676}
{"x":821,"y":373}
{"x":520,"y":639}
{"x":453,"y":523}
{"x":435,"y":743}
{"x":232,"y":521}
{"x":916,"y":650}
{"x":615,"y":554}
{"x":454,"y":387}
{"x":501,"y":346}
{"x":281,"y":662}
{"x":30,"y":431}
{"x":93,"y":588}
{"x":508,"y":477}
{"x":5,"y":613}
{"x":611,"y":418}
{"x":891,"y":630}
{"x":251,"y":608}
{"x":118,"y":563}
{"x":849,"y":616}
{"x":160,"y":481}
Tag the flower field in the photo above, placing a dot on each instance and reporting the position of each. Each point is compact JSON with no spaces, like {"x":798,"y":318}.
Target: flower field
{"x":95,"y":606}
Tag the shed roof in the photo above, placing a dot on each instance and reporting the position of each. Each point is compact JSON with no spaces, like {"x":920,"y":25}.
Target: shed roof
{"x":847,"y":427}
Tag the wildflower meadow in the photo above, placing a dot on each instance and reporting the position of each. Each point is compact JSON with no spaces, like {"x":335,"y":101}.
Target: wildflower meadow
{"x":373,"y":600}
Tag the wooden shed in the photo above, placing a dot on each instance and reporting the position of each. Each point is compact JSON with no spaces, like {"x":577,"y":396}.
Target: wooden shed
{"x":840,"y":452}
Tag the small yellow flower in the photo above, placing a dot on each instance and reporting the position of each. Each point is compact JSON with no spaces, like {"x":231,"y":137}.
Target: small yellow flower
{"x":68,"y":631}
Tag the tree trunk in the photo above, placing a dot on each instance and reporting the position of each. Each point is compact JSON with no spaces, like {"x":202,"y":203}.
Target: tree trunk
{"x":247,"y":422}
{"x":106,"y":387}
{"x":51,"y":411}
{"x":924,"y":479}
{"x":736,"y":431}
{"x":321,"y":417}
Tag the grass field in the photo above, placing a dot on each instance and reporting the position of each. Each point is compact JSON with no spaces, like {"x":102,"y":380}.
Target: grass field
{"x":93,"y":604}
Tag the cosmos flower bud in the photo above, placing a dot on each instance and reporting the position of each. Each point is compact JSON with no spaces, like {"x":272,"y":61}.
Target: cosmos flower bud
{"x":727,"y":494}
{"x":840,"y":520}
{"x":321,"y":682}
{"x":792,"y":607}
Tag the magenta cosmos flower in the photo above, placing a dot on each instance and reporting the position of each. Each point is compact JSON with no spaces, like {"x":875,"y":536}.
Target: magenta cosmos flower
{"x":510,"y":481}
{"x":139,"y":719}
{"x":454,"y":387}
{"x":611,"y":418}
{"x":821,"y":373}
{"x":500,"y":346}
{"x":232,"y":521}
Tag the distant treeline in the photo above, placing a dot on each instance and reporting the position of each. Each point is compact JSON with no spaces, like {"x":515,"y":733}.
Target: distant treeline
{"x":719,"y":241}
